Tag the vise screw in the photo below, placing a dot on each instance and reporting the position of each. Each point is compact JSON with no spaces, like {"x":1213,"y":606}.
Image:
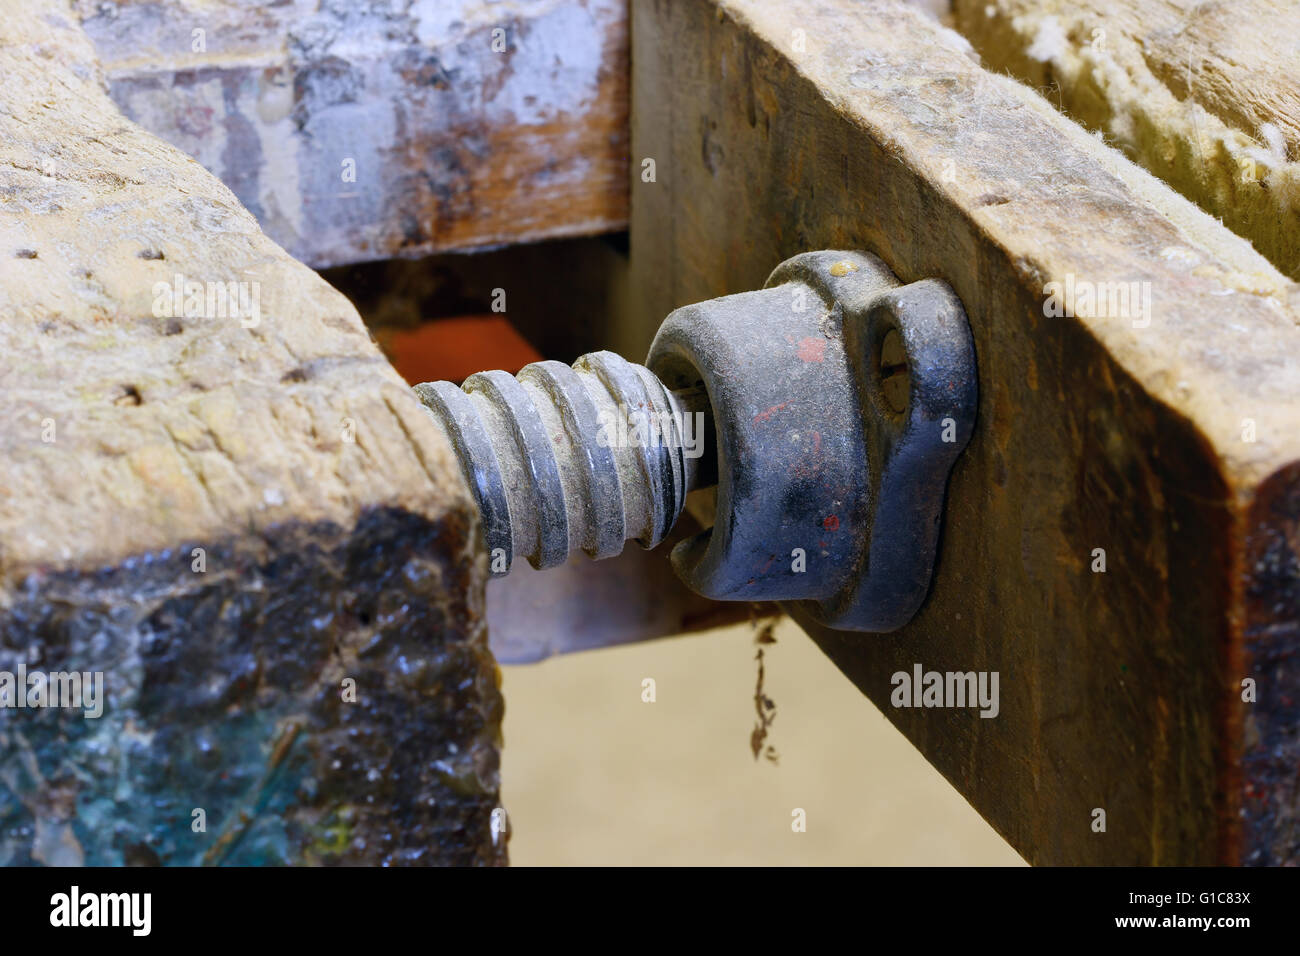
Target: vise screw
{"x":827,"y":409}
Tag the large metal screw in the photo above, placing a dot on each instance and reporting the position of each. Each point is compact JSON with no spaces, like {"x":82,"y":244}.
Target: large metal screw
{"x":563,"y":459}
{"x":827,"y":407}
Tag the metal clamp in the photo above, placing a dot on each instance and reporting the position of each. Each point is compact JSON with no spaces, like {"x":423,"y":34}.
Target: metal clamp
{"x":838,"y":400}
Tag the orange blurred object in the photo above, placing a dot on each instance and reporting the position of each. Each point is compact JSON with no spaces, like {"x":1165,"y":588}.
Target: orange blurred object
{"x":454,"y":349}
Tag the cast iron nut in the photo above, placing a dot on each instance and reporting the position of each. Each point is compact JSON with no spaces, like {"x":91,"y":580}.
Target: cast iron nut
{"x":839,"y":400}
{"x":831,"y":476}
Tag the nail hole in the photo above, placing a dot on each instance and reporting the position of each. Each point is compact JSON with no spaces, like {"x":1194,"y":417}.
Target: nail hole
{"x":130,"y":396}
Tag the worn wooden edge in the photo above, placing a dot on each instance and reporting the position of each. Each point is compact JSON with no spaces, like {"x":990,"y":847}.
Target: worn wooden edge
{"x":1206,"y":97}
{"x":1201,"y":262}
{"x":134,"y":423}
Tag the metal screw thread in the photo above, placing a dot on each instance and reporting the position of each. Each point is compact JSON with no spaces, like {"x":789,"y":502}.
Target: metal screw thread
{"x":547,"y":456}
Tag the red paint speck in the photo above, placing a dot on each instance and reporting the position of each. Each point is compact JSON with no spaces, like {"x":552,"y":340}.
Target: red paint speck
{"x":764,"y":416}
{"x":812,"y":350}
{"x":831,"y":523}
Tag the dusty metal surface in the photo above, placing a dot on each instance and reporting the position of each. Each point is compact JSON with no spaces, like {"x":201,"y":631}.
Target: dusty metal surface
{"x":831,"y":478}
{"x":564,"y":459}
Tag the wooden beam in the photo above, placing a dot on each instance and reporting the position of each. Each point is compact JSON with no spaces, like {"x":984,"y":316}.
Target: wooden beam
{"x":1165,"y":434}
{"x":362,"y":132}
{"x":216,"y":494}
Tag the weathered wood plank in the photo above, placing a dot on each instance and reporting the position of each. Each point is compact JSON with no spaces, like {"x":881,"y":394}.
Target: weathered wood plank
{"x":1167,"y":436}
{"x":1204,"y":95}
{"x":229,"y":514}
{"x":369,"y":131}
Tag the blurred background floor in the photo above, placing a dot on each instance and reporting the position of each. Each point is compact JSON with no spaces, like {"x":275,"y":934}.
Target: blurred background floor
{"x":593,"y":775}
